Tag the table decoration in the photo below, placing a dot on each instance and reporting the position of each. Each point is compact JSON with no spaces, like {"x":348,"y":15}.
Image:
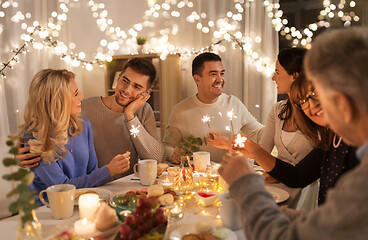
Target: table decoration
{"x":175,"y":213}
{"x":84,"y":227}
{"x":25,"y":205}
{"x":88,"y":205}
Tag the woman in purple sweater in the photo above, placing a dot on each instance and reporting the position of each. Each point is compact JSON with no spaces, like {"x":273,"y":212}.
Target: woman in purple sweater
{"x":55,"y":130}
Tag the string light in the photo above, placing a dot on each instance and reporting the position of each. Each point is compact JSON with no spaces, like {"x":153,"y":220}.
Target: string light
{"x":224,"y":30}
{"x":304,"y":37}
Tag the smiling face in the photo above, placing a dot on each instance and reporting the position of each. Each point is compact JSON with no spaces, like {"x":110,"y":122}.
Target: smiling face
{"x":314,"y":111}
{"x":77,"y":96}
{"x":282,"y":79}
{"x":211,"y":82}
{"x":129,"y":85}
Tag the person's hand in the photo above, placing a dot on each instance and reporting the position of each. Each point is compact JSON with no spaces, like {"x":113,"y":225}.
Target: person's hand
{"x":269,"y":179}
{"x":250,"y":148}
{"x":176,"y":157}
{"x":119,"y":164}
{"x":233,"y":166}
{"x":25,"y":158}
{"x":218,"y":140}
{"x":134,"y":105}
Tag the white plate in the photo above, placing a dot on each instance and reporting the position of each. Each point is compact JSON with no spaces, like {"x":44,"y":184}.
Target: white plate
{"x":184,"y":230}
{"x":279,"y":194}
{"x":104,"y":194}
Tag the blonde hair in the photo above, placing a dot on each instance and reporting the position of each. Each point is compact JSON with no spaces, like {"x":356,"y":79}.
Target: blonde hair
{"x":47,"y":115}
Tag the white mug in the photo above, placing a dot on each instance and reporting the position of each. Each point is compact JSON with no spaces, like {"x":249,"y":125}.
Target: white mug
{"x":201,"y":160}
{"x":147,"y":171}
{"x":61,"y":200}
{"x":229,"y":212}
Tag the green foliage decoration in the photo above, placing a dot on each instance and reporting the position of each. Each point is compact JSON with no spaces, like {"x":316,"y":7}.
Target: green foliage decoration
{"x":25,"y":202}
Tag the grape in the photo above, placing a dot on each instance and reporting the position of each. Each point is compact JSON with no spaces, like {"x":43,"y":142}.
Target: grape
{"x":143,"y":228}
{"x":124,"y":229}
{"x":134,"y":235}
{"x":147,"y":213}
{"x":137,"y":219}
{"x":143,"y":203}
{"x":160,"y":218}
{"x":138,"y":211}
{"x":129,"y":220}
{"x":159,"y":211}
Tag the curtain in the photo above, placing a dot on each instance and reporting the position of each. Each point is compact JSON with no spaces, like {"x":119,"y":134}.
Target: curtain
{"x":259,"y":90}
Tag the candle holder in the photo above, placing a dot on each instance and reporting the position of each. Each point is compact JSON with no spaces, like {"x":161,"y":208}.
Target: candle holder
{"x":175,"y":213}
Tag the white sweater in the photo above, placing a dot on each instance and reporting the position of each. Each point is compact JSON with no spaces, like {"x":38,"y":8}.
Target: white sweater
{"x":185,"y":120}
{"x":292,"y":153}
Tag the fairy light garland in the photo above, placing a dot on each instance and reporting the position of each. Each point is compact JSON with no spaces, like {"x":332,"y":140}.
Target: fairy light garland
{"x":227,"y":31}
{"x":304,"y":37}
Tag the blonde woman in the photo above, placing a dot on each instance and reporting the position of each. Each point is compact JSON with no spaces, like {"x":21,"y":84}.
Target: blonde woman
{"x":54,"y":130}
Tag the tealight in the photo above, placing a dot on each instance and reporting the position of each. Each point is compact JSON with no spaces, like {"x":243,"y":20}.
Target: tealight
{"x":175,"y":213}
{"x":125,"y":213}
{"x":84,"y":227}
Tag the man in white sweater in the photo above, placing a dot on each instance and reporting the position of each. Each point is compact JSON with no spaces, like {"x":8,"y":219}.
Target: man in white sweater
{"x":186,"y":117}
{"x":337,"y":66}
{"x":113,"y":117}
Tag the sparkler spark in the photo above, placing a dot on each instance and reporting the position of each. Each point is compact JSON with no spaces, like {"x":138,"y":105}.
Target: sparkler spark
{"x":239,"y":141}
{"x":207,"y":119}
{"x":231,"y":116}
{"x":134,"y":131}
{"x":227,"y":128}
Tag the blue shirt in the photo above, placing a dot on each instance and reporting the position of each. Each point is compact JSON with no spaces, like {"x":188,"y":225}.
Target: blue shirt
{"x":78,"y":167}
{"x":362,"y":151}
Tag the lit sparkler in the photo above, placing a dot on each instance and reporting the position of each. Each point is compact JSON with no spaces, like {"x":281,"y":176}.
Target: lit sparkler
{"x":207,"y":119}
{"x":239,"y":141}
{"x":134,"y":131}
{"x":231,"y":115}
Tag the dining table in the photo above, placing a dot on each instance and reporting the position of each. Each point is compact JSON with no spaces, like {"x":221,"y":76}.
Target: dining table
{"x":51,"y":226}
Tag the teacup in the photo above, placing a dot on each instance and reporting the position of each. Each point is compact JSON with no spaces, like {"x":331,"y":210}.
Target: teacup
{"x":147,"y":171}
{"x":61,"y":200}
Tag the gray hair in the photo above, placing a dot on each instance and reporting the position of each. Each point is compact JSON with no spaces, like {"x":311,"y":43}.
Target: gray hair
{"x":338,"y":60}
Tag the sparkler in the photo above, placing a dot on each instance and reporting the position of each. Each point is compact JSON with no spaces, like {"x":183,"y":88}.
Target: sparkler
{"x":239,"y":141}
{"x":231,"y":115}
{"x":134,"y":131}
{"x":207,"y":119}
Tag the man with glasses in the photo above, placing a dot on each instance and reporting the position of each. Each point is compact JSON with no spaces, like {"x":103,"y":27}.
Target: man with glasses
{"x":337,"y":66}
{"x":113,"y":117}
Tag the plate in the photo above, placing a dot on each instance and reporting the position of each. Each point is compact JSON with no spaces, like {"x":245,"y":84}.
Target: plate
{"x":104,"y":194}
{"x":184,"y":230}
{"x":278,"y":194}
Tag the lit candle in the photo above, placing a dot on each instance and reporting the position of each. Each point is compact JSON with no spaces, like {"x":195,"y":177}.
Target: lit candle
{"x":88,"y":205}
{"x":176,"y":213}
{"x":84,"y":227}
{"x":125,"y":213}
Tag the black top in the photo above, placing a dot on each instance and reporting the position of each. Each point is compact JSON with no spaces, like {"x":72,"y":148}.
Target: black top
{"x":326,"y":165}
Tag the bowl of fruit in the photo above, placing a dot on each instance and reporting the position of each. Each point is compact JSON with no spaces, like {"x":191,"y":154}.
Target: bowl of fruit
{"x":146,"y":222}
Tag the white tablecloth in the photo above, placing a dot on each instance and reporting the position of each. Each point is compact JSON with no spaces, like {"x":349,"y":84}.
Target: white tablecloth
{"x":51,"y":226}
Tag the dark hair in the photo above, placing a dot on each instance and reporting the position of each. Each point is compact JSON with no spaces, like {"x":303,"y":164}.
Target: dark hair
{"x":198,"y":61}
{"x":319,"y":136}
{"x":291,"y":59}
{"x":142,"y":66}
